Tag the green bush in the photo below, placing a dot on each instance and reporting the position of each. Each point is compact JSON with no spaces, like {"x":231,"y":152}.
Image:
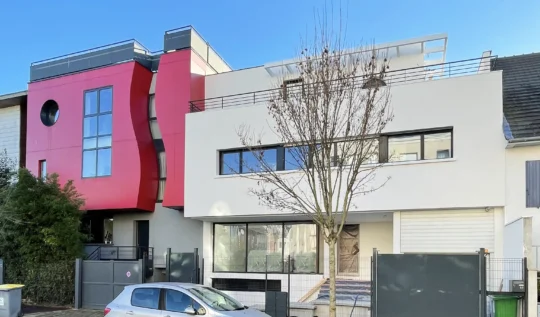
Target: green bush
{"x":40,"y":235}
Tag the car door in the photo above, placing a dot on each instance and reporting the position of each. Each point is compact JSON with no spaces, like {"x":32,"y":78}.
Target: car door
{"x":144,"y":302}
{"x":177,"y":302}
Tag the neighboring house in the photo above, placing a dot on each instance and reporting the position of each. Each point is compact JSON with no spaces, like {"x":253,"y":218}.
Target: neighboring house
{"x":521,"y":103}
{"x":13,"y":126}
{"x":112,"y":120}
{"x":447,"y":186}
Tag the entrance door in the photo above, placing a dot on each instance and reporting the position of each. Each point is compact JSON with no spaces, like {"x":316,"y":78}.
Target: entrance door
{"x":348,"y":250}
{"x":143,"y":238}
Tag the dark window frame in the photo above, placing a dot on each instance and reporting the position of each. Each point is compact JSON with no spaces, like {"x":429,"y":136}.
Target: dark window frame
{"x":382,"y":144}
{"x":283,"y":224}
{"x":384,"y":139}
{"x":97,"y":136}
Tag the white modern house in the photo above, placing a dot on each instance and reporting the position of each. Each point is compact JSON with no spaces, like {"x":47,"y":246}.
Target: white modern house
{"x":448,"y":188}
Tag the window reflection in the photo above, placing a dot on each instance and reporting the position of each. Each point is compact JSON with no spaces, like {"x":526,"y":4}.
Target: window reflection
{"x":230,"y":163}
{"x":404,"y":148}
{"x":230,"y":248}
{"x":301,"y":245}
{"x":437,"y":146}
{"x":265,"y":248}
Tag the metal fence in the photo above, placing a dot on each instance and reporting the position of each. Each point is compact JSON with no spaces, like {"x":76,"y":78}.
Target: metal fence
{"x":395,"y":77}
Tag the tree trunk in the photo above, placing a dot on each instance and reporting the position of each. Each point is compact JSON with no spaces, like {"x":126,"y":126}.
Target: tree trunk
{"x":332,"y":260}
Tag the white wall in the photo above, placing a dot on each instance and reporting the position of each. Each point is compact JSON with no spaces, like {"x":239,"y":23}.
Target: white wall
{"x":10,"y":131}
{"x":516,"y":187}
{"x":474,"y":178}
{"x":168,"y":229}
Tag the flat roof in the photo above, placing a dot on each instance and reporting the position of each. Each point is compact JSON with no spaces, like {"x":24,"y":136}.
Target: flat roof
{"x":13,"y":99}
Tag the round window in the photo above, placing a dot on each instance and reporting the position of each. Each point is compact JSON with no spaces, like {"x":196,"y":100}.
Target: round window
{"x":49,"y":113}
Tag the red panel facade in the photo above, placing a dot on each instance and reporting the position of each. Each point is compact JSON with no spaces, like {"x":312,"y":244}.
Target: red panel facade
{"x":134,"y":176}
{"x":175,"y":87}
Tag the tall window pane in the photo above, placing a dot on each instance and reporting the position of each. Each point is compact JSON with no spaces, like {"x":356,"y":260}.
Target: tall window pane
{"x":90,"y":103}
{"x":230,"y":163}
{"x":404,"y":148}
{"x":162,"y":165}
{"x":104,"y":162}
{"x":265,"y":247}
{"x":301,"y":244}
{"x":90,"y":126}
{"x":97,"y":133}
{"x":105,"y":100}
{"x":230,"y":248}
{"x":152,"y":106}
{"x":437,"y":146}
{"x":89,"y":163}
{"x":105,"y":124}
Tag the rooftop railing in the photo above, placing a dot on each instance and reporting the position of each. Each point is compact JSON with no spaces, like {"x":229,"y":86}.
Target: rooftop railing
{"x":395,"y":77}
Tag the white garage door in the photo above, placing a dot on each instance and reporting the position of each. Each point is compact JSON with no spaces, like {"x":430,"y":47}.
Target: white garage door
{"x":461,"y":231}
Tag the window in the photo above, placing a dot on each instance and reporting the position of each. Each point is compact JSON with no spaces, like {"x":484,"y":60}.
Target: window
{"x":216,"y":299}
{"x":43,"y":169}
{"x":97,"y":133}
{"x":154,"y":127}
{"x":145,"y":298}
{"x":259,"y":247}
{"x":230,"y":248}
{"x":300,"y":243}
{"x":162,"y":175}
{"x":265,"y":252}
{"x":532,"y":179}
{"x":292,"y":87}
{"x":370,"y":148}
{"x":430,"y":145}
{"x":176,"y":301}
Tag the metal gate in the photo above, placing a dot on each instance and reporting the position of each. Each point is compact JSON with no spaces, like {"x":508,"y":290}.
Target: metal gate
{"x":183,"y":267}
{"x":445,"y":285}
{"x":99,"y":282}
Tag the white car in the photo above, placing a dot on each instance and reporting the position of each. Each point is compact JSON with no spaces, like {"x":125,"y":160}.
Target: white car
{"x":176,"y":299}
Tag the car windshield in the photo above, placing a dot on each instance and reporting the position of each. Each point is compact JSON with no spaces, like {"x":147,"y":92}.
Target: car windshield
{"x":216,"y":299}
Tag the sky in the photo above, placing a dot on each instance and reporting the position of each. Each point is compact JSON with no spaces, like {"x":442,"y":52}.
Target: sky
{"x":248,"y":33}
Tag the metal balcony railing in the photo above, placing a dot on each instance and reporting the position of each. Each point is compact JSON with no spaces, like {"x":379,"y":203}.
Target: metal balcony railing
{"x":395,"y":77}
{"x":121,"y":253}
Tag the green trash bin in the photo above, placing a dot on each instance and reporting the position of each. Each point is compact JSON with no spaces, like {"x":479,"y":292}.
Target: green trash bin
{"x":505,"y":306}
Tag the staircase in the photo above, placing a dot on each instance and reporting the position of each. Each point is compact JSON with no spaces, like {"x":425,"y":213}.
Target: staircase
{"x":347,"y":291}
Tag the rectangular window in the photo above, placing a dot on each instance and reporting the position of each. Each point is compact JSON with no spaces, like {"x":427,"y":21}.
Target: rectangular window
{"x":145,"y":297}
{"x":43,"y":169}
{"x":532,"y":182}
{"x":265,"y":248}
{"x":230,"y":248}
{"x":370,"y":150}
{"x":430,"y":145}
{"x":260,"y":247}
{"x":97,"y":133}
{"x":292,"y":87}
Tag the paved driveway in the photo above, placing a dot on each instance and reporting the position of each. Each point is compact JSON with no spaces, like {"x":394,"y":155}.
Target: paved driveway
{"x":69,"y":313}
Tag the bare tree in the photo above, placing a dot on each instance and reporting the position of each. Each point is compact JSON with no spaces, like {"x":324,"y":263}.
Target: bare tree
{"x":328,"y":116}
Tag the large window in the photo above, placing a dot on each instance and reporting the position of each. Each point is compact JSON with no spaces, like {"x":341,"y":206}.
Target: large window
{"x":97,"y":133}
{"x":430,"y":145}
{"x":266,"y":247}
{"x":395,"y":147}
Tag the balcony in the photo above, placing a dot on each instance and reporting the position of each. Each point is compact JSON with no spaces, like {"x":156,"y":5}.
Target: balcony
{"x":396,"y":77}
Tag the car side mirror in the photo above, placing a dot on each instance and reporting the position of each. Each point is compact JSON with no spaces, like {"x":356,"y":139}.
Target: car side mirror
{"x":190,"y":311}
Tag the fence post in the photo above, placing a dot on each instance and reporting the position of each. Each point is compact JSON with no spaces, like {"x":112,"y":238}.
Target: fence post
{"x":2,"y":273}
{"x":78,"y":283}
{"x":374,"y":268}
{"x":196,"y":262}
{"x":483,"y":285}
{"x":168,"y":264}
{"x":525,"y":275}
{"x":289,"y":288}
{"x":202,"y":271}
{"x":266,"y":273}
